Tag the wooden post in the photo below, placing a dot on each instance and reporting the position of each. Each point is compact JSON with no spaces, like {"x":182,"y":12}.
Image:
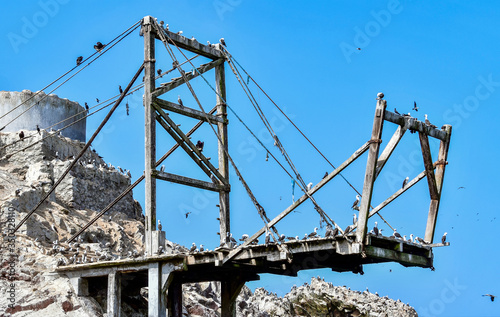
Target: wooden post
{"x":114,"y":295}
{"x":391,"y":145}
{"x":230,"y":289}
{"x":150,"y":131}
{"x":156,"y":296}
{"x":174,"y":299}
{"x":223,"y":147}
{"x":439,"y":176}
{"x":371,"y":166}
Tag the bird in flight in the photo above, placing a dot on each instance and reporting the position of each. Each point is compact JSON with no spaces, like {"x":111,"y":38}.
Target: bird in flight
{"x":187,"y":214}
{"x":415,"y":106}
{"x":99,"y":46}
{"x":492,"y":297}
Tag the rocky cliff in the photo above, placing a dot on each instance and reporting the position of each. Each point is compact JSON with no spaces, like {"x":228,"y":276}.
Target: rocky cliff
{"x":27,"y":279}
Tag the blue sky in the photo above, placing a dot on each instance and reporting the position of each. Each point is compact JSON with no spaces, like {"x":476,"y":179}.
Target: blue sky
{"x":443,"y":55}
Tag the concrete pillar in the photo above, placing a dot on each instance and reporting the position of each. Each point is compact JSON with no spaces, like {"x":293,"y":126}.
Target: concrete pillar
{"x":80,"y":285}
{"x":114,"y":295}
{"x":156,"y":297}
{"x":157,"y":240}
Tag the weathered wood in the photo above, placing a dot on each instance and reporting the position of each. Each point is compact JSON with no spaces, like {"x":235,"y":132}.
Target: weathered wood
{"x":150,"y":130}
{"x":164,"y":88}
{"x":439,"y":176}
{"x":156,"y":301}
{"x":114,"y":295}
{"x":174,"y":299}
{"x":414,"y":124}
{"x":188,"y":181}
{"x":298,"y":202}
{"x":429,"y":168}
{"x":230,"y":289}
{"x":188,"y":146}
{"x":389,"y":148}
{"x":194,"y":46}
{"x":405,"y":259}
{"x":371,"y":166}
{"x":397,"y":194}
{"x":220,"y":89}
{"x":183,"y":110}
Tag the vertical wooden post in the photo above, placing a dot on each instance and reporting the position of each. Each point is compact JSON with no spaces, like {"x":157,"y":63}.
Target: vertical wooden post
{"x":156,"y":296}
{"x":114,"y":295}
{"x":220,"y":83}
{"x":230,"y":289}
{"x":150,"y":130}
{"x":439,"y":175}
{"x":370,"y":174}
{"x":174,"y":299}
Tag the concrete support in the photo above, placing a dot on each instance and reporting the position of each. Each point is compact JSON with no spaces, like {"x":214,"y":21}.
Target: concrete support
{"x":230,"y":289}
{"x":156,"y":297}
{"x":157,"y":240}
{"x":114,"y":295}
{"x":80,"y":285}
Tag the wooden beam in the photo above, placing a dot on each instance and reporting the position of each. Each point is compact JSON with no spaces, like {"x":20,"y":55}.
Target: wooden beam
{"x":440,"y":168}
{"x":188,"y":112}
{"x":415,"y":125}
{"x":429,"y":168}
{"x":188,"y":181}
{"x":389,"y":148}
{"x":194,"y":46}
{"x":298,"y":202}
{"x":222,"y":148}
{"x":397,"y":194}
{"x":371,"y":165}
{"x":405,"y":259}
{"x":166,"y":87}
{"x":187,"y":145}
{"x":150,"y":131}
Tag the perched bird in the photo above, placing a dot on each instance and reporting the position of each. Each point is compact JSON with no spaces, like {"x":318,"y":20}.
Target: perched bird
{"x":79,"y":60}
{"x":396,"y":112}
{"x":348,"y":229}
{"x":231,"y":239}
{"x":180,"y":32}
{"x":268,"y":238}
{"x":411,"y":238}
{"x":405,"y":182}
{"x":443,"y":238}
{"x":223,"y":42}
{"x":305,"y":236}
{"x":281,"y":238}
{"x":380,"y":95}
{"x":99,"y":46}
{"x":162,"y":168}
{"x":159,"y":225}
{"x":199,"y":145}
{"x":159,"y":72}
{"x":375,"y":229}
{"x":179,"y":100}
{"x":309,"y":186}
{"x":187,"y":213}
{"x":87,"y":107}
{"x":120,"y":89}
{"x":429,"y":123}
{"x":396,"y":235}
{"x":38,"y":129}
{"x":244,"y":237}
{"x":354,"y":219}
{"x":208,"y":43}
{"x":18,"y":191}
{"x":202,"y":248}
{"x":193,"y":247}
{"x":21,"y":135}
{"x":356,"y":202}
{"x":415,"y":106}
{"x":324,"y":176}
{"x":314,"y":233}
{"x":492,"y":297}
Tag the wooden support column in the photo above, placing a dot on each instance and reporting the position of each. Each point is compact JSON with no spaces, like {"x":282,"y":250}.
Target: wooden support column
{"x":390,"y":147}
{"x":370,"y":173}
{"x":156,"y":296}
{"x":114,"y":295}
{"x":439,"y":176}
{"x":223,"y":147}
{"x":150,"y":131}
{"x":174,"y":299}
{"x":230,"y":289}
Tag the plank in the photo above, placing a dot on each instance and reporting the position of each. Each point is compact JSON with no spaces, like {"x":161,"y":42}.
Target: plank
{"x":405,"y":259}
{"x":183,"y":110}
{"x":370,"y":173}
{"x":416,"y":125}
{"x":166,"y":87}
{"x":212,"y":52}
{"x":298,"y":202}
{"x":429,"y":168}
{"x":188,"y":181}
{"x":389,"y":148}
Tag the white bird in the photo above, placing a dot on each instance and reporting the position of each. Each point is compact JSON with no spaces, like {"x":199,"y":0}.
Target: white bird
{"x":309,"y":186}
{"x":354,"y":219}
{"x":396,"y":234}
{"x":281,"y":238}
{"x":202,"y":248}
{"x":356,"y":202}
{"x":411,"y":237}
{"x":159,"y":225}
{"x":314,"y":233}
{"x":380,"y":95}
{"x":405,"y":182}
{"x":244,"y":237}
{"x":268,"y":238}
{"x":193,"y":247}
{"x":375,"y":229}
{"x":443,"y":238}
{"x":222,"y":41}
{"x":179,"y":100}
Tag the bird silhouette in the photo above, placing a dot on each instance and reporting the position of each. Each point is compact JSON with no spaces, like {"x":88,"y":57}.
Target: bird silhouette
{"x":38,"y":129}
{"x":200,"y":145}
{"x":223,"y":42}
{"x":79,"y":60}
{"x":99,"y":46}
{"x":179,"y":100}
{"x":120,"y":89}
{"x":159,"y":72}
{"x":415,"y":106}
{"x":21,"y":135}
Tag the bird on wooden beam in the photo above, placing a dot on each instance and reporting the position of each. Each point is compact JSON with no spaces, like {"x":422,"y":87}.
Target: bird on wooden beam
{"x":200,"y":145}
{"x":355,"y":203}
{"x":159,"y":225}
{"x":79,"y":60}
{"x":99,"y":47}
{"x":380,"y":95}
{"x":281,"y":238}
{"x":244,"y":237}
{"x":429,"y":123}
{"x":21,"y":135}
{"x":348,"y":229}
{"x":405,"y":182}
{"x":193,"y":247}
{"x":159,"y":72}
{"x":354,"y":219}
{"x":492,"y":297}
{"x":309,"y":186}
{"x":179,"y":100}
{"x":314,"y":233}
{"x":268,"y":238}
{"x":443,"y":238}
{"x":396,"y":112}
{"x":223,"y":42}
{"x":396,"y":235}
{"x":202,"y":248}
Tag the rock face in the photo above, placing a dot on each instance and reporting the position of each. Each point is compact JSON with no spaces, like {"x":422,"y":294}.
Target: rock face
{"x":43,"y":110}
{"x":27,"y":261}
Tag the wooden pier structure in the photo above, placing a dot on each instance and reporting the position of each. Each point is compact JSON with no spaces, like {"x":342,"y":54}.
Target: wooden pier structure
{"x":233,"y":265}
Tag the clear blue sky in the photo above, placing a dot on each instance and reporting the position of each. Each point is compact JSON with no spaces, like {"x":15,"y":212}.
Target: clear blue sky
{"x":443,"y":55}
